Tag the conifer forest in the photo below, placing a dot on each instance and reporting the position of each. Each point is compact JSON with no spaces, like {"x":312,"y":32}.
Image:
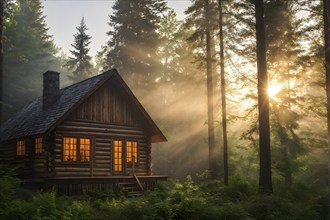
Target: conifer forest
{"x":239,"y":88}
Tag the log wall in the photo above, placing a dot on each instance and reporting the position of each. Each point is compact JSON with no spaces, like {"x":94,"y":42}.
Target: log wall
{"x":29,"y":166}
{"x":102,"y":136}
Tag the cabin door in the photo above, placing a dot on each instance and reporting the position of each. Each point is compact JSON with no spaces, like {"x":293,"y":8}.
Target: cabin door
{"x":118,"y":157}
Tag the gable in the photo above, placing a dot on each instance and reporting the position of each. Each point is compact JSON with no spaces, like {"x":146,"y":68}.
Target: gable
{"x":109,"y":104}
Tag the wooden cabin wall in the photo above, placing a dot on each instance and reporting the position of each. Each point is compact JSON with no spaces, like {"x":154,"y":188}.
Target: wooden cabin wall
{"x":106,"y":115}
{"x":30,"y":166}
{"x":8,"y":152}
{"x":102,"y":135}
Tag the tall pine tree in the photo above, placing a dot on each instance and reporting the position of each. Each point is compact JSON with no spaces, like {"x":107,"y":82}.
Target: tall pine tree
{"x":80,"y":61}
{"x":326,"y":21}
{"x":28,"y":52}
{"x":134,"y":40}
{"x":265,"y":178}
{"x":286,"y":68}
{"x":201,"y":18}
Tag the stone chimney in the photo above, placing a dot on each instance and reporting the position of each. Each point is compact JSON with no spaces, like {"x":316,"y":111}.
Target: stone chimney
{"x":51,"y":90}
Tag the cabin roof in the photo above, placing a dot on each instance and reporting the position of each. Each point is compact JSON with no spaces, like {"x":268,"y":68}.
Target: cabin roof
{"x":34,"y":120}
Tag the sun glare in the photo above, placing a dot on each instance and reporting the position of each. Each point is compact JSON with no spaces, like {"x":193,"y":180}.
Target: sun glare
{"x":273,"y":89}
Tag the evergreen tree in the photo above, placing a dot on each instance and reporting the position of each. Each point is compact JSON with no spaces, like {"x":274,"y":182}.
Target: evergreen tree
{"x":223,"y":94}
{"x":134,"y":40}
{"x":170,"y":43}
{"x":210,"y":105}
{"x":179,"y":88}
{"x":284,"y":63}
{"x":179,"y":68}
{"x":326,"y":21}
{"x":265,"y":178}
{"x":201,"y":18}
{"x":29,"y":51}
{"x":287,"y":67}
{"x":80,"y":61}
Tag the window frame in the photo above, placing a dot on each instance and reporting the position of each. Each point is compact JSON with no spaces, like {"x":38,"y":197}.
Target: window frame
{"x":78,"y":150}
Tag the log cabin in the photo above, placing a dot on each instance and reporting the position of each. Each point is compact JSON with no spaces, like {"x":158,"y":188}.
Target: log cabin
{"x":92,"y":135}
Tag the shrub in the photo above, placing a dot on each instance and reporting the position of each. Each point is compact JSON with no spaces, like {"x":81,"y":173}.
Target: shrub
{"x":240,"y":188}
{"x":187,"y":200}
{"x":43,"y":206}
{"x":110,"y":208}
{"x":78,"y":210}
{"x":271,"y":207}
{"x":9,"y":186}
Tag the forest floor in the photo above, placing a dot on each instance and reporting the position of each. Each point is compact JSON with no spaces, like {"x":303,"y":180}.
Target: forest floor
{"x":200,"y":198}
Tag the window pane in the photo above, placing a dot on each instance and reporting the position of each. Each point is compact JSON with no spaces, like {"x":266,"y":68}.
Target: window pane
{"x":117,"y":156}
{"x":69,"y":149}
{"x":134,"y":149}
{"x":38,"y":145}
{"x":85,"y":149}
{"x":131,"y":151}
{"x":20,"y":148}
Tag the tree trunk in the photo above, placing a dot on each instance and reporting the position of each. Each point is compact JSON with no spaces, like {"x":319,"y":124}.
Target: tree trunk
{"x":210,"y":120}
{"x":223,"y":97}
{"x":1,"y":58}
{"x":265,"y":175}
{"x":326,"y":19}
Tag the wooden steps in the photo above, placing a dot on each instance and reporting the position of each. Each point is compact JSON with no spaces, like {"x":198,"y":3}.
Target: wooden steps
{"x":131,"y":189}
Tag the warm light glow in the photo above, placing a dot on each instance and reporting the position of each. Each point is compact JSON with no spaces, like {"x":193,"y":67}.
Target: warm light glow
{"x":273,"y":89}
{"x":85,"y":149}
{"x":76,"y":149}
{"x":38,"y":145}
{"x":131,"y":151}
{"x":118,"y":156}
{"x":69,"y":149}
{"x":20,"y":148}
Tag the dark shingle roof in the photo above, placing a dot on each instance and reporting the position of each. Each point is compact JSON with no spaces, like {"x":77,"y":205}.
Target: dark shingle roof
{"x":33,"y":120}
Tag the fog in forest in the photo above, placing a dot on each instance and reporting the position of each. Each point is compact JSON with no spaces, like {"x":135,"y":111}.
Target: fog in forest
{"x":165,"y":68}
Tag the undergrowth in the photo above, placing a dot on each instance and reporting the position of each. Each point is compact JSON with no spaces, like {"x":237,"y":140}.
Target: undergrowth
{"x":199,"y":198}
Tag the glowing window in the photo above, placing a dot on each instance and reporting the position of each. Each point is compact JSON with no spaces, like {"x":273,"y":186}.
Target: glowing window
{"x":131,"y":151}
{"x":38,"y":145}
{"x":69,"y":149}
{"x":76,"y":149}
{"x":117,"y":156}
{"x":85,"y":149}
{"x":20,"y":150}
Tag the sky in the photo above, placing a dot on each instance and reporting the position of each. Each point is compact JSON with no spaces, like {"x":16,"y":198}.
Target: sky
{"x":63,"y":16}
